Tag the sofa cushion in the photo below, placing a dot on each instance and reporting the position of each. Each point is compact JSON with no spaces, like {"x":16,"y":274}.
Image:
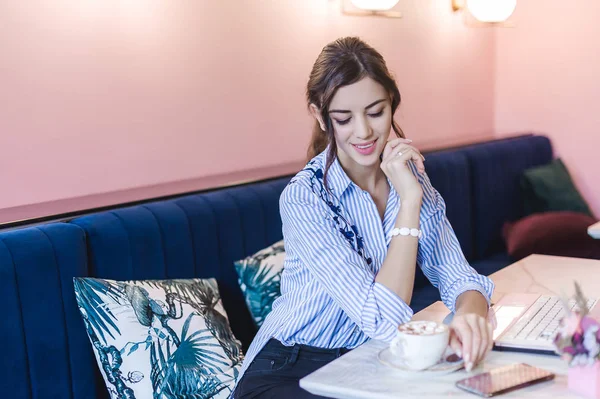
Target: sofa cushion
{"x":160,"y":338}
{"x":552,"y":233}
{"x":199,"y":235}
{"x":492,"y":263}
{"x":424,"y":296}
{"x":496,"y":170}
{"x":260,"y":279}
{"x":45,"y":350}
{"x":550,"y":188}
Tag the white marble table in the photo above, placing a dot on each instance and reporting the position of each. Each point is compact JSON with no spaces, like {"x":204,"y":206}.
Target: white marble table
{"x":594,"y":230}
{"x":359,"y":374}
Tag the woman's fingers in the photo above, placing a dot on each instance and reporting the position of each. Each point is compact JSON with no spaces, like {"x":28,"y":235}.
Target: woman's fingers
{"x":487,"y":334}
{"x":467,"y":340}
{"x":392,"y":144}
{"x":463,"y":331}
{"x":404,"y":153}
{"x":455,"y":343}
{"x":408,"y":153}
{"x":476,"y":339}
{"x":490,"y":336}
{"x":399,"y":140}
{"x":485,"y":339}
{"x":480,"y":338}
{"x":392,"y":148}
{"x":417,"y":158}
{"x":475,"y":335}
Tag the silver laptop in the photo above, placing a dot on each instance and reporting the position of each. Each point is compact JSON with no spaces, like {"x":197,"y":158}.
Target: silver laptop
{"x":529,"y":322}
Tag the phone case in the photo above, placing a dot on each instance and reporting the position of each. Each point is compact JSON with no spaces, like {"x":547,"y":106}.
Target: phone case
{"x":504,"y":379}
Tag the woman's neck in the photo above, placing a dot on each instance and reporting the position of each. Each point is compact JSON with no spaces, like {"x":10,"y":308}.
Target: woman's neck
{"x":367,"y":178}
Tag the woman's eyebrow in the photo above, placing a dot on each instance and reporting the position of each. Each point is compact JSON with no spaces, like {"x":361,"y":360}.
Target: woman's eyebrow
{"x":344,"y":111}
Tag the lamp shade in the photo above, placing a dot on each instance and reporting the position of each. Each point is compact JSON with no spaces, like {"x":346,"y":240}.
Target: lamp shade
{"x":374,"y":5}
{"x":491,"y":10}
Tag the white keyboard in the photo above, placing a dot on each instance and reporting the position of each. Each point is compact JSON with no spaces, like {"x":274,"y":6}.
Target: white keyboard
{"x":541,"y":320}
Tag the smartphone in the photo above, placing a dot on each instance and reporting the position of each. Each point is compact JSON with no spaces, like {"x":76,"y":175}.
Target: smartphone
{"x":504,"y":379}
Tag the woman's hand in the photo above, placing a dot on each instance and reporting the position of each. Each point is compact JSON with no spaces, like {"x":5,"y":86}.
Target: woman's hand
{"x":396,"y":154}
{"x":471,"y":338}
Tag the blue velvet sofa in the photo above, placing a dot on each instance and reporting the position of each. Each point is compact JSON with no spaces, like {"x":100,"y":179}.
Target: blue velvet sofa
{"x":45,"y":349}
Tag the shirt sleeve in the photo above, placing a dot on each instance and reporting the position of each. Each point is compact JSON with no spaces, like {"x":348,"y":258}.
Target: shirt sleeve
{"x":311,"y":235}
{"x":440,"y":256}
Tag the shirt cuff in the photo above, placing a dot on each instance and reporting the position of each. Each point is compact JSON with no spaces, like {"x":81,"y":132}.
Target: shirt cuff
{"x":460,"y":288}
{"x":392,"y":308}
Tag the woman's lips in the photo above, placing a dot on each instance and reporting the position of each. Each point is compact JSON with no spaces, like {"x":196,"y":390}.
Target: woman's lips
{"x":365,"y":149}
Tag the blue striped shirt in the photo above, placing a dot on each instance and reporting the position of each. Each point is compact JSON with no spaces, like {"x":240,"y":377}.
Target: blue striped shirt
{"x":335,"y":243}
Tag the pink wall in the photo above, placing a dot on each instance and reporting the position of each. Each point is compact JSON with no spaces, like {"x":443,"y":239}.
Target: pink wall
{"x":548,"y":80}
{"x":101,"y":96}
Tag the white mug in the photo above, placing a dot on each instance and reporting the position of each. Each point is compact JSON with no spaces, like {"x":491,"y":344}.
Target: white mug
{"x":420,"y":344}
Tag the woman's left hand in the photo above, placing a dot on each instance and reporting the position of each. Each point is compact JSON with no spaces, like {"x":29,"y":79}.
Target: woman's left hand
{"x":471,"y":338}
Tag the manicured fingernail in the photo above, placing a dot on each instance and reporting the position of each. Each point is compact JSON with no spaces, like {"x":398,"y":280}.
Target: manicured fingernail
{"x":467,"y":358}
{"x":459,"y":353}
{"x":469,"y":366}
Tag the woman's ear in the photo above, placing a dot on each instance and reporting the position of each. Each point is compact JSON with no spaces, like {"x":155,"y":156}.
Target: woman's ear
{"x":314,"y":110}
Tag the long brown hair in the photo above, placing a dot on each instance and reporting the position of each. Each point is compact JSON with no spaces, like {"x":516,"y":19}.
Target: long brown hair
{"x":341,"y":63}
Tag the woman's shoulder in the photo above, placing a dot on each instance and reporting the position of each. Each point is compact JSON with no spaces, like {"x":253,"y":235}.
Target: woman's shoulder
{"x":307,"y":184}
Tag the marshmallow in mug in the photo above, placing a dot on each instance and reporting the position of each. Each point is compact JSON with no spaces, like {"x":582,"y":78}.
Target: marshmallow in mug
{"x":423,"y":328}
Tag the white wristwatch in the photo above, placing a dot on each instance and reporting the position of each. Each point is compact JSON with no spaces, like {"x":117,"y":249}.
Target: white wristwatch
{"x":405,"y":231}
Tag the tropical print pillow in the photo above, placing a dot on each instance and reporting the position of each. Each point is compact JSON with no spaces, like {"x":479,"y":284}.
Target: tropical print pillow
{"x":259,"y":277}
{"x":160,"y":339}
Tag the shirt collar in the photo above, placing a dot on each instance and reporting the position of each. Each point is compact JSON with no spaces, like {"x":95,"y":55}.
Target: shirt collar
{"x":337,"y":179}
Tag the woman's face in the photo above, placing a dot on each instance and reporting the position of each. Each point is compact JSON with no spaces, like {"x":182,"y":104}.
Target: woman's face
{"x":361,"y":115}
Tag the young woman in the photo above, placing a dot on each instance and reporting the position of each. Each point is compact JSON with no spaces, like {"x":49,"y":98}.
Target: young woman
{"x":350,"y":267}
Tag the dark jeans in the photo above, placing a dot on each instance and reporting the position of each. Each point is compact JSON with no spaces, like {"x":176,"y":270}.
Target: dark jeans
{"x":276,"y":370}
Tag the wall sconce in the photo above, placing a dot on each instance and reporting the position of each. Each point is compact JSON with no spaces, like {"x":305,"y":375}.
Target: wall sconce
{"x":377,"y":8}
{"x":489,"y":12}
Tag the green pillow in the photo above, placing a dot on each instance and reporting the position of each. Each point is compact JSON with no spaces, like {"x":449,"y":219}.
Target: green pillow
{"x":550,"y":188}
{"x":259,"y":277}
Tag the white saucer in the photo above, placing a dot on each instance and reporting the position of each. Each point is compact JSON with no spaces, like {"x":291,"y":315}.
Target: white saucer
{"x":443,"y":367}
